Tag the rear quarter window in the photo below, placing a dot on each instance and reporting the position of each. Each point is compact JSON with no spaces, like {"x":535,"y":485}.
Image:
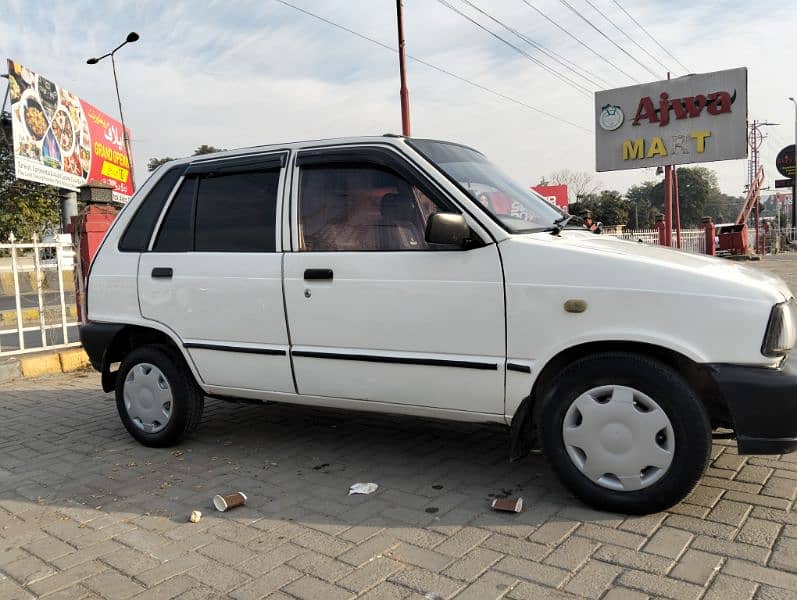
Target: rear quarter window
{"x":139,"y":231}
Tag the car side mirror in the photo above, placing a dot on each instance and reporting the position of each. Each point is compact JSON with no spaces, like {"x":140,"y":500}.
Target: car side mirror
{"x":449,"y":229}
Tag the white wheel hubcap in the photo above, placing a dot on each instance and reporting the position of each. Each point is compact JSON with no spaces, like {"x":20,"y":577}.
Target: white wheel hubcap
{"x":619,"y":438}
{"x":148,"y":398}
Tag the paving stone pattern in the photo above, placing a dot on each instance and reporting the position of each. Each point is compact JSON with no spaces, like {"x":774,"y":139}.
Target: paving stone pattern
{"x":85,"y":512}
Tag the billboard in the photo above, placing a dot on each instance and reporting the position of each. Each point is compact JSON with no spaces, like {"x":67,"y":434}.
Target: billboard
{"x":691,"y":119}
{"x":555,"y":194}
{"x":61,"y":140}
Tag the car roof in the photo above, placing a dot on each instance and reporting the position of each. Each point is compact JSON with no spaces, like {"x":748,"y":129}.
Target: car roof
{"x":388,"y":138}
{"x":391,"y":139}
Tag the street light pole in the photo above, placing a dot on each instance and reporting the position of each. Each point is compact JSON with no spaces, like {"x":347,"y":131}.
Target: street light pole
{"x":131,"y":37}
{"x":794,"y":177}
{"x":121,"y":114}
{"x":405,"y":94}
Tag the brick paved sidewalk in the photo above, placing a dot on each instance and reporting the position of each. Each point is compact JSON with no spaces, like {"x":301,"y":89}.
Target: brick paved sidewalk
{"x":86,"y":512}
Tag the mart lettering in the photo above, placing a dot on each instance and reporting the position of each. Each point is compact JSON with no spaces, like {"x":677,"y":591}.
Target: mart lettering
{"x":640,"y":148}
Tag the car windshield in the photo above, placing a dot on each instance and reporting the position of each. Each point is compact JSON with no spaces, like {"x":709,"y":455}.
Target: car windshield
{"x":517,"y":208}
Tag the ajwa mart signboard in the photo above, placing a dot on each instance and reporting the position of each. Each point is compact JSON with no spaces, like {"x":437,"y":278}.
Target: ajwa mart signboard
{"x":61,"y":140}
{"x":691,"y":119}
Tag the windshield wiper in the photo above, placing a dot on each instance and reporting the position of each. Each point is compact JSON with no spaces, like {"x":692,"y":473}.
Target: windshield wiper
{"x":560,"y":224}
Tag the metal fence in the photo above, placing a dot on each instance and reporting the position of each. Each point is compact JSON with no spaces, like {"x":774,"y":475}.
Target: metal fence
{"x":775,"y":240}
{"x":692,"y":240}
{"x":38,"y":308}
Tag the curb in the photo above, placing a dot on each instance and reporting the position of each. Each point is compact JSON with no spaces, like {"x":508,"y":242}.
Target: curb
{"x":43,"y":363}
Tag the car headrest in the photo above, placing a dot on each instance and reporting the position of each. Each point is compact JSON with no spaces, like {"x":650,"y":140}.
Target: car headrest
{"x":397,"y":207}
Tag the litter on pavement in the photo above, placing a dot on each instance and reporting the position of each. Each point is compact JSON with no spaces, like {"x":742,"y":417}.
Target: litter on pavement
{"x":514,"y":505}
{"x":227,"y":501}
{"x":363,"y":488}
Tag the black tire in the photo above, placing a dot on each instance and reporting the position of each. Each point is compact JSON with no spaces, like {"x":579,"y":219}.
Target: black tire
{"x":669,"y":390}
{"x":187,"y":398}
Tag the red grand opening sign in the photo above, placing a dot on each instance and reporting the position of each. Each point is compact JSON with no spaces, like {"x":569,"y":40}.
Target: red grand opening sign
{"x":64,"y":141}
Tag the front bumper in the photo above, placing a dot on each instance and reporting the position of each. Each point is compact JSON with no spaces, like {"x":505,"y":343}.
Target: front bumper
{"x":763,"y":405}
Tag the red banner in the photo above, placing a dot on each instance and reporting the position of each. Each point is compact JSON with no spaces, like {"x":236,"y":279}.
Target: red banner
{"x":555,"y":194}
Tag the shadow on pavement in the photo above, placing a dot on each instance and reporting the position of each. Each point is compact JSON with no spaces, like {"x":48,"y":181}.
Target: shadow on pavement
{"x":66,"y":449}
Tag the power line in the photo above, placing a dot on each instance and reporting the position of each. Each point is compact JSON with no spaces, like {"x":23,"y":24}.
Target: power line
{"x":580,"y":41}
{"x":568,"y":64}
{"x":618,"y":46}
{"x":632,"y":40}
{"x":436,"y":68}
{"x":519,"y":50}
{"x":638,"y":24}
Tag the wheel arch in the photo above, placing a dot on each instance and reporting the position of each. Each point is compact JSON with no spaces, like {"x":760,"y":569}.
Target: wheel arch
{"x":526,"y":420}
{"x":132,"y":336}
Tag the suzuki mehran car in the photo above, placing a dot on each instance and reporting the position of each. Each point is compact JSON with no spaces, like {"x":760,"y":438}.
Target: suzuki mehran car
{"x":414,"y":277}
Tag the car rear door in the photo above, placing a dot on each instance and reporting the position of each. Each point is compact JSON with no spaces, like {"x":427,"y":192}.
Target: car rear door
{"x":374,"y":312}
{"x":214,"y":273}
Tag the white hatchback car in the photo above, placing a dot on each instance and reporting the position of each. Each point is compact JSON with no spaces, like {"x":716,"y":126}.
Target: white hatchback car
{"x":413,"y":277}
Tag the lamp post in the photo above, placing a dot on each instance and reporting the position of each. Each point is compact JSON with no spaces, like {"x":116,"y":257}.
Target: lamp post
{"x":131,"y":37}
{"x":794,"y":177}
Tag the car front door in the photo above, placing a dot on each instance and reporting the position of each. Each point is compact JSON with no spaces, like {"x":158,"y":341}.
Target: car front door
{"x":375,"y":312}
{"x":213,"y":274}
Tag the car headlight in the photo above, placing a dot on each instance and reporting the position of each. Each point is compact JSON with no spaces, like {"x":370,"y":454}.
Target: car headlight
{"x":781,"y":333}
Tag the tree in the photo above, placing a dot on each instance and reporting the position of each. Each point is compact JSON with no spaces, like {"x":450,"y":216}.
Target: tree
{"x":642,"y":213}
{"x":205,"y":149}
{"x":579,"y":183}
{"x":608,"y":207}
{"x":25,"y":207}
{"x":696,"y":186}
{"x":723,"y":208}
{"x":154,"y":163}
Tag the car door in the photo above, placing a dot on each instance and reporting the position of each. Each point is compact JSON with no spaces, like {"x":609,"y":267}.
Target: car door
{"x":214,"y":276}
{"x":376,"y":313}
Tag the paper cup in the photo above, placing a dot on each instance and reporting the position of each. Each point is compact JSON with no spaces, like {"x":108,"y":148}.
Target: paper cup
{"x":227,"y":501}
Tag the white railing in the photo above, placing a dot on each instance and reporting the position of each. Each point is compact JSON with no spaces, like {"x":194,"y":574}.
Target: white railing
{"x":37,"y":296}
{"x":692,"y":240}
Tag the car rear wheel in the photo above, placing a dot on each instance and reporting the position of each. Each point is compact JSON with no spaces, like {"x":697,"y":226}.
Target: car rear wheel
{"x":157,"y":397}
{"x":625,"y":432}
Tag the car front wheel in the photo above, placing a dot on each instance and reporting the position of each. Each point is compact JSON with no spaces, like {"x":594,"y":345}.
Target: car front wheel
{"x":625,"y":432}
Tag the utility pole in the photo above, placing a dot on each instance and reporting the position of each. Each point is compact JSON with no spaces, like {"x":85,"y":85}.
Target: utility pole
{"x":756,"y":139}
{"x":405,"y":94}
{"x":668,"y":174}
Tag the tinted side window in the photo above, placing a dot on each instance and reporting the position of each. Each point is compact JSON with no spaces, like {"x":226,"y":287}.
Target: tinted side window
{"x":361,"y":208}
{"x":139,"y":231}
{"x":237,"y":212}
{"x":177,"y":230}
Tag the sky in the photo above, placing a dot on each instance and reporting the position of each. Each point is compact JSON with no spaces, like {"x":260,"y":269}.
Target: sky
{"x":236,"y":73}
